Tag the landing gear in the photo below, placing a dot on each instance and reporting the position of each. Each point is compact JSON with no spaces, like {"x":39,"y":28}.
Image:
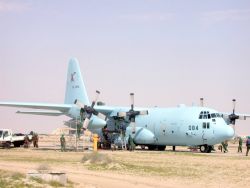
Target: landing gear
{"x":156,"y":147}
{"x":173,"y":148}
{"x":206,"y":149}
{"x":161,"y":148}
{"x":143,"y":147}
{"x":150,"y":147}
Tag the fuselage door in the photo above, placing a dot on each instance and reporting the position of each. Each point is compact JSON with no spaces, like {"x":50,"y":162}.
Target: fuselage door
{"x":207,"y":131}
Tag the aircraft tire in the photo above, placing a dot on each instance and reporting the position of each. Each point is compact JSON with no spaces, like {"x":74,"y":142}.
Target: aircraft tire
{"x":151,"y":147}
{"x":161,"y":148}
{"x":143,"y":147}
{"x":204,"y":148}
{"x":209,"y":149}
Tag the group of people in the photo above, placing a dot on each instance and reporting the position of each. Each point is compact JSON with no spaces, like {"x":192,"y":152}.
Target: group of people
{"x":224,"y":145}
{"x":34,"y":140}
{"x":131,"y":145}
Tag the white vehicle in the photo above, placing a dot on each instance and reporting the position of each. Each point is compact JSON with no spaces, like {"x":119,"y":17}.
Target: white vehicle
{"x":7,"y":138}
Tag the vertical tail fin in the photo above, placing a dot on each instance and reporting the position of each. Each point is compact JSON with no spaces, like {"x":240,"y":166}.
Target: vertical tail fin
{"x":75,"y":88}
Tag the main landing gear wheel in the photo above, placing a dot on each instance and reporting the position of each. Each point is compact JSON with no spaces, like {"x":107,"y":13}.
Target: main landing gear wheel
{"x":156,"y":147}
{"x":161,"y":148}
{"x":205,"y":149}
{"x":151,"y":147}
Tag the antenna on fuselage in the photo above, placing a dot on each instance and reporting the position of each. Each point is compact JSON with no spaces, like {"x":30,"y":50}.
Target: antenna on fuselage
{"x":201,"y":102}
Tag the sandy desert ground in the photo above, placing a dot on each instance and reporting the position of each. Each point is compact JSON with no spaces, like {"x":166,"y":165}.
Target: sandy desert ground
{"x":140,"y":168}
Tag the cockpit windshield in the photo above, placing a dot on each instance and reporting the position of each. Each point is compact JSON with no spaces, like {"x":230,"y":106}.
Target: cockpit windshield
{"x":208,"y":115}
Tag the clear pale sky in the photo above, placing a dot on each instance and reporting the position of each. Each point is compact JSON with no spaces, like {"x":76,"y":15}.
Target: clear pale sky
{"x":166,"y":52}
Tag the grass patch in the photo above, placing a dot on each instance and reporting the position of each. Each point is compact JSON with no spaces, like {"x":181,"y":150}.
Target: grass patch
{"x":3,"y":183}
{"x":166,"y":168}
{"x":10,"y":179}
{"x":99,"y":161}
{"x":13,"y":179}
{"x":55,"y":184}
{"x":17,"y":176}
{"x":43,"y":167}
{"x":96,"y":158}
{"x":37,"y":180}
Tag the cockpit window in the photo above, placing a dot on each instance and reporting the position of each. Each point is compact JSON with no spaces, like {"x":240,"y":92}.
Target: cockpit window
{"x":207,"y":115}
{"x":218,"y":115}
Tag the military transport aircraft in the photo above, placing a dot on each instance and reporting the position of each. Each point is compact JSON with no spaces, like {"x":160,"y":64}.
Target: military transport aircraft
{"x":155,"y":127}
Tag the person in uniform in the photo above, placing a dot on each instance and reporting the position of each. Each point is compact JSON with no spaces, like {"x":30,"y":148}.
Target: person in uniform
{"x":63,"y":142}
{"x":35,"y":140}
{"x":131,"y":143}
{"x":224,"y":146}
{"x":248,"y":145}
{"x":240,"y":145}
{"x":26,"y":142}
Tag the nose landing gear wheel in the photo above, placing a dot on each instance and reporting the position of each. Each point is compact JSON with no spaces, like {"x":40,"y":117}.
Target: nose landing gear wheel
{"x":203,"y":148}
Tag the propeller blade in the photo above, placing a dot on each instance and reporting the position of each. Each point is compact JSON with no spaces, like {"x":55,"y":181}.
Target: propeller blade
{"x":132,"y":100}
{"x":234,"y":130}
{"x":201,"y":102}
{"x":143,"y":112}
{"x":234,"y":103}
{"x":79,"y":103}
{"x":86,"y":123}
{"x":96,"y":98}
{"x":242,"y":117}
{"x":121,"y":114}
{"x":233,"y":122}
{"x":102,"y":116}
{"x":133,"y":125}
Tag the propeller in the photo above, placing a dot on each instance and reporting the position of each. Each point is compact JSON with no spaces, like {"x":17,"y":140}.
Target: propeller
{"x":88,"y":111}
{"x":131,"y":114}
{"x":201,"y":102}
{"x":232,"y":117}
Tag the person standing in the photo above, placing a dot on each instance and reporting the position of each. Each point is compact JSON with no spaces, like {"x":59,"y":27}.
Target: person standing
{"x":35,"y":140}
{"x":248,"y":145}
{"x":26,"y":142}
{"x":240,"y":145}
{"x":63,"y":142}
{"x":131,"y":143}
{"x":224,"y":146}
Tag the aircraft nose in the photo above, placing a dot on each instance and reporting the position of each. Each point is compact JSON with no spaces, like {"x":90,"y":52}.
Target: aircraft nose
{"x":230,"y":132}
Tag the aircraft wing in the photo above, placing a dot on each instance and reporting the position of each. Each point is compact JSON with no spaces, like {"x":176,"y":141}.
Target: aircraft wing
{"x":113,"y":110}
{"x":106,"y":110}
{"x":43,"y":113}
{"x":241,"y":116}
{"x":40,"y":106}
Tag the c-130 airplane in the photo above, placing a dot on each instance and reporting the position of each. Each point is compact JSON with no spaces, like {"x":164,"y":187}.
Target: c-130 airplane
{"x":155,"y":127}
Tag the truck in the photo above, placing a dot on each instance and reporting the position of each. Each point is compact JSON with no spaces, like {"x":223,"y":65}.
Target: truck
{"x":8,"y":139}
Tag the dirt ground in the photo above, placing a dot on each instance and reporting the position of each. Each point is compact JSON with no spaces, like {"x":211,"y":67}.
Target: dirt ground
{"x":140,"y":168}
